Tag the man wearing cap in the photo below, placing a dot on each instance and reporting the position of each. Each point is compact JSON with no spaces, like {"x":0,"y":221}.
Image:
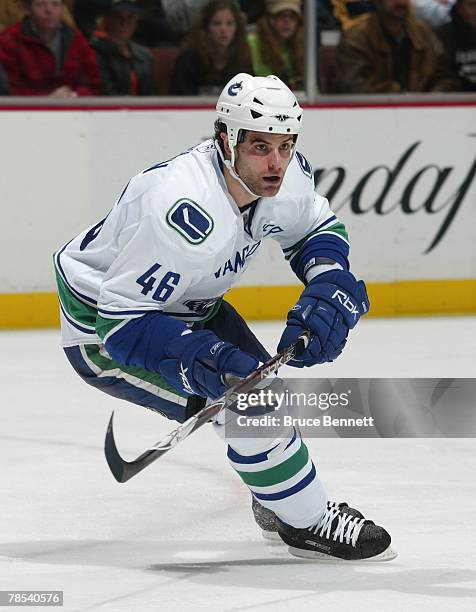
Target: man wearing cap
{"x":45,"y":57}
{"x":277,"y":43}
{"x":126,"y":68}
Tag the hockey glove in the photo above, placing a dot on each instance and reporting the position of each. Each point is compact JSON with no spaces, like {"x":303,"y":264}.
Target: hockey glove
{"x":330,"y":305}
{"x":197,"y":363}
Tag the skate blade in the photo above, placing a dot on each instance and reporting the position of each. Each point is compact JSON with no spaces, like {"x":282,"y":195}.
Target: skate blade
{"x":271,"y":536}
{"x":386,"y":555}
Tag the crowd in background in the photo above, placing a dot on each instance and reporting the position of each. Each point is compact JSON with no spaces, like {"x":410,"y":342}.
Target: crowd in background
{"x":192,"y":47}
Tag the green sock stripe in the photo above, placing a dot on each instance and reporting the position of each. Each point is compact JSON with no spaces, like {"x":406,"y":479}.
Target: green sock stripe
{"x":278,"y":473}
{"x":105,"y":364}
{"x":77,"y":310}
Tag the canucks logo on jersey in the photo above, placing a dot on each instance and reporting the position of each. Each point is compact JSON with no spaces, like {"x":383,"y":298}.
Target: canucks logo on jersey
{"x":190,"y":221}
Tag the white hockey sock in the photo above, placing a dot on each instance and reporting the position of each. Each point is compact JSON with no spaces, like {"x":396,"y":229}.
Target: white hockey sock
{"x":281,"y":476}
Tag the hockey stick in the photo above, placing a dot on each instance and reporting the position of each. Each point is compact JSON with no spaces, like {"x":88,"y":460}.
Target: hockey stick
{"x":124,"y":470}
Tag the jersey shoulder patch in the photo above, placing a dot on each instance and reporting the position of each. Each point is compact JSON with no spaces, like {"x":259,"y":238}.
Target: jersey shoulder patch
{"x":191,"y":221}
{"x":304,"y":164}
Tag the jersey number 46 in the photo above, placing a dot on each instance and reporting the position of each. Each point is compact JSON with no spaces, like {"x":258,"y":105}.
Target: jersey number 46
{"x":165,"y":287}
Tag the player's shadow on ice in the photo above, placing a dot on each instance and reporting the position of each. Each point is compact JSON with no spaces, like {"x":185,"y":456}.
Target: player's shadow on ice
{"x":323,"y":577}
{"x":248,"y":564}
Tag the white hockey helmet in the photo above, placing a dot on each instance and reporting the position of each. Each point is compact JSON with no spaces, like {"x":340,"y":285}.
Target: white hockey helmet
{"x":260,"y":104}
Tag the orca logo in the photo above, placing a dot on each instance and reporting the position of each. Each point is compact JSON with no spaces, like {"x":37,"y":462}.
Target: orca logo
{"x":304,"y":164}
{"x":282,"y":117}
{"x":235,"y":88}
{"x":202,"y":307}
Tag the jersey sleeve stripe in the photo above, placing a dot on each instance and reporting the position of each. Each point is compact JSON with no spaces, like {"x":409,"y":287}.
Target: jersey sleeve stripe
{"x":110,"y":367}
{"x":59,"y":270}
{"x":339,"y":232}
{"x":73,"y":307}
{"x":116,"y":313}
{"x":75,"y":324}
{"x":337,"y":229}
{"x":106,"y":327}
{"x":316,"y":229}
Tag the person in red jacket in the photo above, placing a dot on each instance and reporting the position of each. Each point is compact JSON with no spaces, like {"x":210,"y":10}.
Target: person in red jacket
{"x":42,"y":56}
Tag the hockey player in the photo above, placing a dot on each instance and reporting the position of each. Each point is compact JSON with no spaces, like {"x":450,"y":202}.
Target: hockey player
{"x":142,"y":310}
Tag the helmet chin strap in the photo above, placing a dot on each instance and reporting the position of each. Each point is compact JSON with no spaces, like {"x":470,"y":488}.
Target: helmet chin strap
{"x":230,"y":165}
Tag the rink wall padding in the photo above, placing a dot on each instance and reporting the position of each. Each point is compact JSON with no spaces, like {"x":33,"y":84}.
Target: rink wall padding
{"x":401,"y":176}
{"x":40,"y":310}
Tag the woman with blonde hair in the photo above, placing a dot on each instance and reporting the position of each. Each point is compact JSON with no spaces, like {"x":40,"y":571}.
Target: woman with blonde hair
{"x":214,"y":51}
{"x":277,"y":43}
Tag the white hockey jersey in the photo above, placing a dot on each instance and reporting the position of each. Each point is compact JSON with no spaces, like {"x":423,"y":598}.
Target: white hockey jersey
{"x":175,"y":241}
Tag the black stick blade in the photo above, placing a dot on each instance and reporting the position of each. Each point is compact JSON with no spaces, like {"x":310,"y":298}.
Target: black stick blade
{"x":121,"y":469}
{"x":116,"y":463}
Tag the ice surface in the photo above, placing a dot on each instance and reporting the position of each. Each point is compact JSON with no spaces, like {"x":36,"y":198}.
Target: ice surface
{"x":180,"y":536}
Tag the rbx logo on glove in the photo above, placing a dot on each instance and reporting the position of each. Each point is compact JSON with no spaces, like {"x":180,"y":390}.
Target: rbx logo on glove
{"x":346,"y":302}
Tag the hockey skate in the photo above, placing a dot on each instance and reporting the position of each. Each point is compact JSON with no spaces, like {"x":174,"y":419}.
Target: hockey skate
{"x":338,"y":536}
{"x":266,"y":519}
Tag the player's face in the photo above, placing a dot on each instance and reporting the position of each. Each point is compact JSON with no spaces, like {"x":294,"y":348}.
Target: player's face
{"x":262,"y":160}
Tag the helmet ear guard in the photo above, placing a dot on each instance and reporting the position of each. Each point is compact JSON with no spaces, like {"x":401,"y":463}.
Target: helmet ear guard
{"x":258,"y":104}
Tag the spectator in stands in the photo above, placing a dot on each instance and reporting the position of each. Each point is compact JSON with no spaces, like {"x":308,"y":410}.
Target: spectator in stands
{"x":459,"y":40}
{"x":390,"y":51}
{"x":152,"y":27}
{"x":215,"y":50}
{"x":13,"y":11}
{"x":180,"y":15}
{"x":277,"y":43}
{"x":126,"y":68}
{"x":44,"y":56}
